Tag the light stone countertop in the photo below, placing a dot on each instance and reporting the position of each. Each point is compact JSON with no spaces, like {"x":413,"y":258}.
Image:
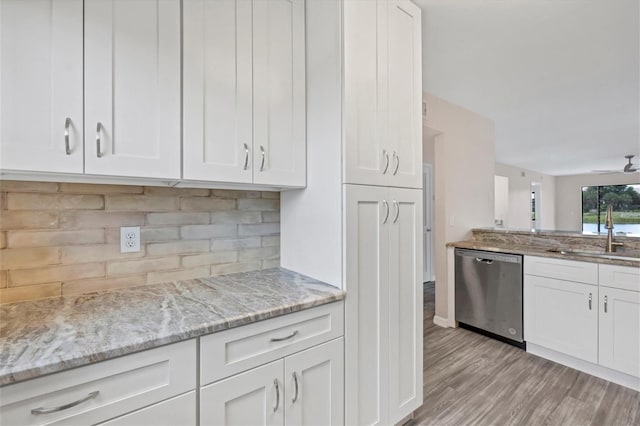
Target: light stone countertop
{"x":541,"y":251}
{"x":51,"y":335}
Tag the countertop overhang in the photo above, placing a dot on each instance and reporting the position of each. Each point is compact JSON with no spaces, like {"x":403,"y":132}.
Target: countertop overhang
{"x":52,"y":335}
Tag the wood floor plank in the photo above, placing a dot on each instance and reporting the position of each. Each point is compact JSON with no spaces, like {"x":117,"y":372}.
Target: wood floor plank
{"x":470,"y":379}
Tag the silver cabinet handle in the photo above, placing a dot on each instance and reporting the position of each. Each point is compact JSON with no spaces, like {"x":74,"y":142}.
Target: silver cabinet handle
{"x":280,"y":339}
{"x":246,"y":157}
{"x":67,"y":124}
{"x":98,"y":149}
{"x":275,"y":383}
{"x":47,"y":410}
{"x":397,"y":206}
{"x":386,"y":209}
{"x":605,"y":304}
{"x":295,"y":382}
{"x":262,"y":153}
{"x":385,"y":154}
{"x":397,"y":158}
{"x":481,"y":260}
{"x":590,"y":298}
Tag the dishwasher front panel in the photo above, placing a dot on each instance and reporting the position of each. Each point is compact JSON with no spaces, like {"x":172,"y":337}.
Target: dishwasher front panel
{"x":488,"y":292}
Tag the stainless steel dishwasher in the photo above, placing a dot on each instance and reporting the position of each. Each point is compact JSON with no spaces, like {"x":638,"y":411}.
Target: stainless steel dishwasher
{"x":489,"y":293}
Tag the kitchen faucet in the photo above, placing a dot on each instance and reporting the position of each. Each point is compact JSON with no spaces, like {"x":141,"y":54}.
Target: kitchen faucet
{"x":608,"y":223}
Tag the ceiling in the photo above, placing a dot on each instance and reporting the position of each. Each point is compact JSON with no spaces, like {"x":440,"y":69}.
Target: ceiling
{"x":560,"y":78}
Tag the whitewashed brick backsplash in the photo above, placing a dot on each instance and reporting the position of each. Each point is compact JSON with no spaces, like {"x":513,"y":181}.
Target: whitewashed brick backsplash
{"x":64,"y":238}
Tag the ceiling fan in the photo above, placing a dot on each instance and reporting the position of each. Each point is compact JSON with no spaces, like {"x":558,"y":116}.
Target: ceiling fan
{"x":628,"y":168}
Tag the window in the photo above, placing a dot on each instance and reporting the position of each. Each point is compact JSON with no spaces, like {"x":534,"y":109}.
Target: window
{"x":625,"y":200}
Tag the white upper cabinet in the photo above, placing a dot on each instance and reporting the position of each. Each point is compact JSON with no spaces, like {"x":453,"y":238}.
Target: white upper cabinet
{"x":217,"y":91}
{"x":132,"y":88}
{"x":367,"y":157}
{"x":41,"y":85}
{"x":382,"y":93}
{"x":279,"y":112}
{"x":405,"y":94}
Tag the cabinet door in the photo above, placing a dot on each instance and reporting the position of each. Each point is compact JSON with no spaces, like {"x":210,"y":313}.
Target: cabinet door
{"x":366,"y":242}
{"x":561,"y":315}
{"x":255,"y":397}
{"x":41,"y":85}
{"x":314,"y":391}
{"x":132,"y":88}
{"x":620,"y":330}
{"x":279,"y":136}
{"x":367,"y":157}
{"x":405,"y":303}
{"x":405,"y":94}
{"x":217,"y":93}
{"x":180,"y":410}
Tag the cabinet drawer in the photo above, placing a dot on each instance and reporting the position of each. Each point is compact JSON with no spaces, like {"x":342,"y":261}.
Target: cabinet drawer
{"x":568,"y":270}
{"x":238,"y":349}
{"x":180,"y":410}
{"x":622,"y":277}
{"x":123,"y":384}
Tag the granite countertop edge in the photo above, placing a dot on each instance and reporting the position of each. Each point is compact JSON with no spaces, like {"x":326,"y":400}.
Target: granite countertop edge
{"x":538,"y":251}
{"x":315,"y":294}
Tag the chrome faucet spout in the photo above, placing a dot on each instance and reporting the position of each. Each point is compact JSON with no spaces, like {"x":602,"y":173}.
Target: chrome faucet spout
{"x":608,"y":224}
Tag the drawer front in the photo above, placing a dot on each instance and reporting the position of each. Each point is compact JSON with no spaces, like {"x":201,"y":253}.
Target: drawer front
{"x":622,"y":277}
{"x":238,"y":349}
{"x":568,"y":270}
{"x":123,"y":384}
{"x":180,"y":410}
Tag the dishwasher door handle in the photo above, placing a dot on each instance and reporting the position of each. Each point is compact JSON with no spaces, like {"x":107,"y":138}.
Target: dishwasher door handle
{"x":481,"y":260}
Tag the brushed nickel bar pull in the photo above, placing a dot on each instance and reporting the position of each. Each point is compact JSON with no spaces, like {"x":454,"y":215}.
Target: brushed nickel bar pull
{"x":281,"y":339}
{"x":275,"y":383}
{"x":67,"y":124}
{"x":397,"y":206}
{"x":590,"y":299}
{"x":263,"y":154}
{"x":385,"y":154}
{"x":397,"y":158}
{"x":246,"y":157}
{"x":48,"y":410}
{"x":386,"y":216}
{"x":98,"y":149}
{"x":295,"y":382}
{"x":605,"y":304}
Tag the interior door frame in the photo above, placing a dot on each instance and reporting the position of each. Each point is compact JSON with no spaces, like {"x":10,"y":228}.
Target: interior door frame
{"x":428,"y":272}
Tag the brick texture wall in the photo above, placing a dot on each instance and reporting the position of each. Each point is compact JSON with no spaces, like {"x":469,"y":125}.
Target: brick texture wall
{"x":59,"y":238}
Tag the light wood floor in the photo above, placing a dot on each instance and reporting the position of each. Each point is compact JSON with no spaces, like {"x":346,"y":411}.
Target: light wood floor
{"x":472,"y":379}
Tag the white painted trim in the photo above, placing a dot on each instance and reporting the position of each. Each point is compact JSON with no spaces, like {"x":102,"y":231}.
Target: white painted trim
{"x":586,"y":367}
{"x":451,"y":286}
{"x":440,"y":321}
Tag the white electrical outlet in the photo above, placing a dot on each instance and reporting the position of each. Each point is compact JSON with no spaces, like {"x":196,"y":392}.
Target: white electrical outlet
{"x":129,"y":239}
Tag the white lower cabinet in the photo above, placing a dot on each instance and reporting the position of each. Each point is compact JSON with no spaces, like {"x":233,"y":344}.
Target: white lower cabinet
{"x":620,"y":330}
{"x":103,"y":391}
{"x":180,"y":410}
{"x":562,"y":315}
{"x":588,"y":311}
{"x":254,"y":397}
{"x":383,"y":312}
{"x":301,"y":389}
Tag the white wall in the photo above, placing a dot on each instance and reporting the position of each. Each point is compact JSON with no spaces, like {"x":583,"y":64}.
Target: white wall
{"x":464,"y":153}
{"x":569,"y":195}
{"x":502,"y":200}
{"x":520,"y":196}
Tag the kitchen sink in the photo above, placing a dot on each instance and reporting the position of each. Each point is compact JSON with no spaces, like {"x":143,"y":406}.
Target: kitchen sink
{"x":615,"y":256}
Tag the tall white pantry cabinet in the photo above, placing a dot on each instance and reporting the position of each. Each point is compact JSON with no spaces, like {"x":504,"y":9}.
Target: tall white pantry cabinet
{"x":363,"y":195}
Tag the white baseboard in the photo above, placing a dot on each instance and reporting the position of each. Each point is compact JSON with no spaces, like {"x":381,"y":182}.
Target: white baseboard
{"x":584,"y":366}
{"x":440,"y":321}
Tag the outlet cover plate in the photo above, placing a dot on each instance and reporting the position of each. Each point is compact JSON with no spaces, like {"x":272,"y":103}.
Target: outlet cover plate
{"x":129,"y":239}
